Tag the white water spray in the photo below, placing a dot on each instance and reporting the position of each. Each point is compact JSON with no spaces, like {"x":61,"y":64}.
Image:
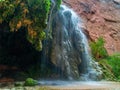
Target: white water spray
{"x":70,"y":49}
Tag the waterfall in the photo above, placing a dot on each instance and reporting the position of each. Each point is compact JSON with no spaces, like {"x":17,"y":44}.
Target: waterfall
{"x":50,"y":15}
{"x":70,"y":49}
{"x":45,"y":51}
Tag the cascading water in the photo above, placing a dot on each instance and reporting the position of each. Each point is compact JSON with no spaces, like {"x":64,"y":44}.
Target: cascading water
{"x":46,"y":42}
{"x":70,"y":49}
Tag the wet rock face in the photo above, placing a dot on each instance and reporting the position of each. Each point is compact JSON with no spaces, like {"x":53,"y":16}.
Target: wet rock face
{"x":63,"y":54}
{"x":101,"y":18}
{"x":70,"y":50}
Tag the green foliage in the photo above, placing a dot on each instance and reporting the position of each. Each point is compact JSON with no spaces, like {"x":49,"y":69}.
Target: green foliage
{"x":39,"y":10}
{"x":107,"y":70}
{"x":111,"y":67}
{"x":98,"y":49}
{"x":114,"y":61}
{"x":58,"y":3}
{"x":109,"y":64}
{"x":31,"y":14}
{"x":30,"y":82}
{"x":6,"y":10}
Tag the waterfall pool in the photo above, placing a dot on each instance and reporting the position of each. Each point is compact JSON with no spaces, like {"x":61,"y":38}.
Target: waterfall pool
{"x":69,"y":83}
{"x":73,"y":83}
{"x":80,"y":85}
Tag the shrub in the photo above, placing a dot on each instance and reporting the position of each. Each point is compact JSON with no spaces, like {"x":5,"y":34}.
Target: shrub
{"x":107,"y":70}
{"x":111,"y":67}
{"x":109,"y":64}
{"x":114,"y":62}
{"x":98,"y":49}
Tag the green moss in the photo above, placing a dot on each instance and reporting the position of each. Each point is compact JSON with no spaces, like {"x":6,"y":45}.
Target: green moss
{"x":31,"y":14}
{"x":6,"y":10}
{"x":57,"y":6}
{"x":39,"y":10}
{"x":30,"y":82}
{"x":58,"y":3}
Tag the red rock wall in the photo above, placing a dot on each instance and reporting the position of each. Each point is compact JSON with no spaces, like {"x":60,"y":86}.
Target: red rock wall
{"x":101,"y":19}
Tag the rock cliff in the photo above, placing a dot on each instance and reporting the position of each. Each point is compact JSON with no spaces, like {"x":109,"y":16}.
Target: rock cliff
{"x":101,"y":18}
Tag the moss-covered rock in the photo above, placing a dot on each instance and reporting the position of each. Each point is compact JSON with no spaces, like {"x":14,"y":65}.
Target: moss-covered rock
{"x":30,"y":82}
{"x":58,"y":2}
{"x":31,"y":14}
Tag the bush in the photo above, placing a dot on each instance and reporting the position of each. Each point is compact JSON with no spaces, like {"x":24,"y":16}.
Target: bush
{"x":107,"y":70}
{"x":110,"y":64}
{"x":114,"y":62}
{"x":111,"y":67}
{"x":98,"y":49}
